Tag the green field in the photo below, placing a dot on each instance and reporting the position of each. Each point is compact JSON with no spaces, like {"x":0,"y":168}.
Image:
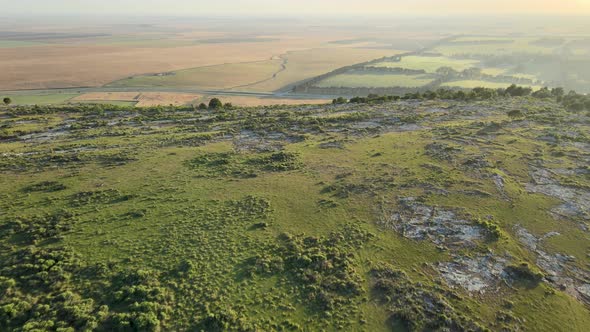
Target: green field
{"x":494,"y":71}
{"x":59,"y":98}
{"x":264,"y":76}
{"x":470,"y":84}
{"x":18,"y":43}
{"x":212,"y":77}
{"x":428,"y":63}
{"x":490,"y":61}
{"x":40,"y":99}
{"x":376,"y":80}
{"x":517,"y":45}
{"x":427,"y":214}
{"x":483,"y":39}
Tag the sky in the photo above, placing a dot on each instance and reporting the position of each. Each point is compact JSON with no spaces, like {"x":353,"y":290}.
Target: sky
{"x":294,"y":7}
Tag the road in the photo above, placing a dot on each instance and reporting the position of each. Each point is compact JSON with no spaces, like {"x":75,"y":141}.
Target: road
{"x":283,"y":95}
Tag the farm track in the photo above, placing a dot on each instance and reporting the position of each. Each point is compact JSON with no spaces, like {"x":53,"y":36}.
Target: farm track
{"x":274,"y":75}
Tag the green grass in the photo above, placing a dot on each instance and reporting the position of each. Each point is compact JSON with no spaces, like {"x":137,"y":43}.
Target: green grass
{"x":48,"y":99}
{"x":429,"y":64}
{"x":17,"y":43}
{"x":518,"y":45}
{"x":374,"y":80}
{"x":219,"y":76}
{"x":270,"y":218}
{"x":470,"y":84}
{"x":522,"y":60}
{"x":483,"y":39}
{"x":494,"y":71}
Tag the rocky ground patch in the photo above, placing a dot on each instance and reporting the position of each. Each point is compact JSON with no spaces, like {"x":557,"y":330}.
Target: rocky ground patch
{"x":559,"y":269}
{"x":576,"y":201}
{"x":443,"y":227}
{"x":476,"y":274}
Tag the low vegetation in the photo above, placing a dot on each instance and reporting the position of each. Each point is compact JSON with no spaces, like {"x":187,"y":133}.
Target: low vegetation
{"x":434,"y":210}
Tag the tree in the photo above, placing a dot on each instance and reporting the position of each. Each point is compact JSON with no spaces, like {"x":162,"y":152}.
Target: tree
{"x":543,"y":93}
{"x":430,"y":95}
{"x":518,"y":91}
{"x":7,"y":101}
{"x":215,"y":104}
{"x":228,"y":106}
{"x":339,"y":100}
{"x":446,"y":71}
{"x":557,"y":92}
{"x":471,"y":72}
{"x":202,"y":106}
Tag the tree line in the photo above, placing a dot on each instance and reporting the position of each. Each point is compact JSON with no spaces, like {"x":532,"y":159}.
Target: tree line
{"x":571,"y":100}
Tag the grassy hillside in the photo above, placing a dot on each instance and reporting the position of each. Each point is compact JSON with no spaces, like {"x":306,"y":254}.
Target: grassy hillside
{"x":408,"y":215}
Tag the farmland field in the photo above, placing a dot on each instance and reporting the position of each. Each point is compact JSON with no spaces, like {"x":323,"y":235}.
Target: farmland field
{"x":250,"y":101}
{"x":466,"y":62}
{"x":470,"y":84}
{"x":41,"y":99}
{"x":484,"y":46}
{"x":114,"y":53}
{"x":376,"y":80}
{"x":72,"y":65}
{"x":145,"y":99}
{"x":187,"y":58}
{"x":211,"y":77}
{"x":108,"y":102}
{"x":428,"y":63}
{"x":267,"y":75}
{"x":17,"y":43}
{"x":301,"y":65}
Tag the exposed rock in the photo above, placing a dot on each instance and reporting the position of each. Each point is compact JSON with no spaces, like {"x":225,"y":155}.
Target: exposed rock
{"x":474,"y":274}
{"x":525,"y":237}
{"x":547,"y":138}
{"x":500,"y":185}
{"x":499,"y":182}
{"x":476,"y":192}
{"x":440,"y":226}
{"x":250,"y":141}
{"x":409,"y":127}
{"x":432,"y":167}
{"x":576,"y":201}
{"x":542,"y":176}
{"x":441,"y":151}
{"x":584,"y":291}
{"x":332,"y":145}
{"x":366,"y":125}
{"x":558,"y":267}
{"x":476,"y":162}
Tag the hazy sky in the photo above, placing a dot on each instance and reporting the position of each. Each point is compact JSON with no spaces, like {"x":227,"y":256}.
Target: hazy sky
{"x":191,"y":7}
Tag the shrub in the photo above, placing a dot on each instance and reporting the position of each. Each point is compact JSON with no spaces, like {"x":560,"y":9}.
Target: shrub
{"x":492,"y":229}
{"x":45,"y":186}
{"x":524,"y":272}
{"x":215,"y":104}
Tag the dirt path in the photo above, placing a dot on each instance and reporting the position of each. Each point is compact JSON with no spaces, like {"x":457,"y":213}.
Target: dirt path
{"x":274,"y":75}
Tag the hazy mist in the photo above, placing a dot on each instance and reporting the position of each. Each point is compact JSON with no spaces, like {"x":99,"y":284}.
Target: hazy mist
{"x":191,"y":7}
